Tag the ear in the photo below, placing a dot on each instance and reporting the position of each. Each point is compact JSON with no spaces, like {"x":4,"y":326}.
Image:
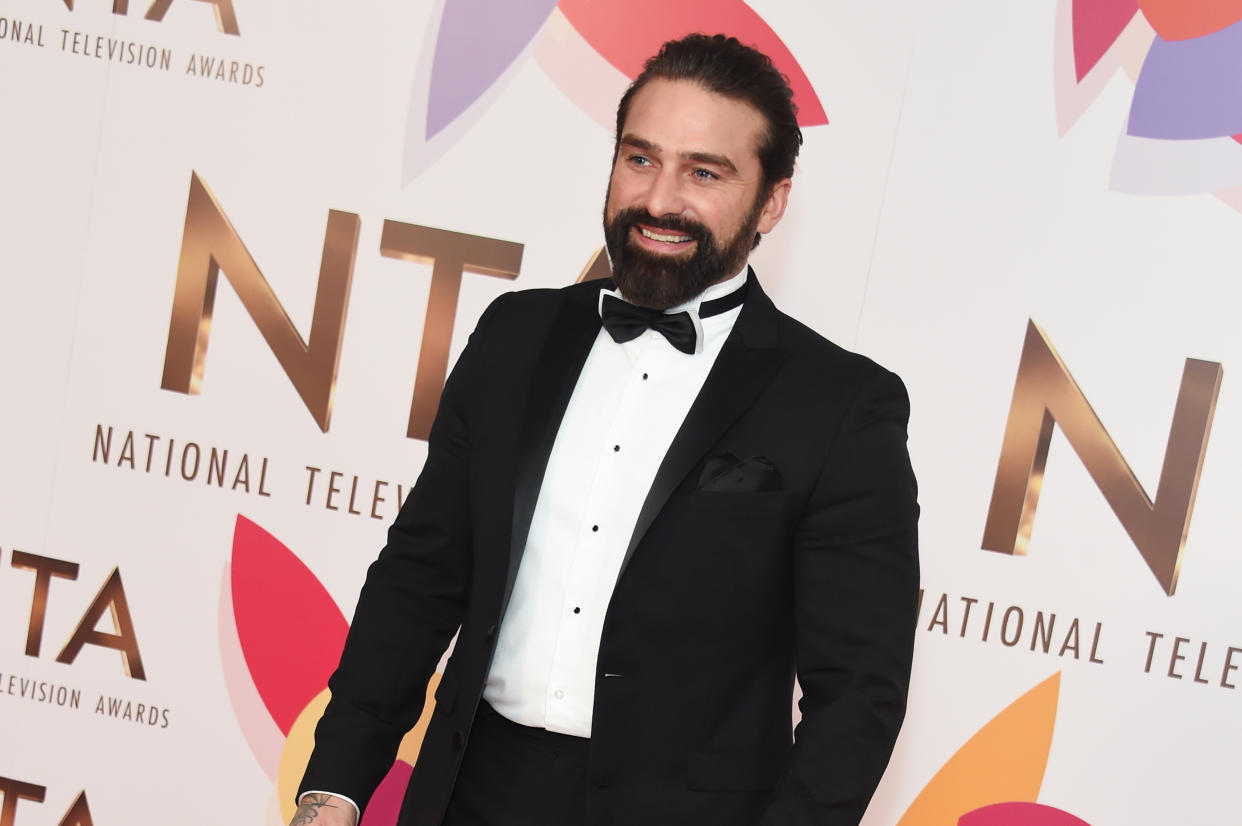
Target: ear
{"x":774,"y":207}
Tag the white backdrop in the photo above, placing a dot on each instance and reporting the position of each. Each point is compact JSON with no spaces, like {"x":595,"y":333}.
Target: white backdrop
{"x":966,"y":183}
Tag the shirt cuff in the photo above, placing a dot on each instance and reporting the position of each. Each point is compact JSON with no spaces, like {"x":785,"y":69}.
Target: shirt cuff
{"x":357,"y":811}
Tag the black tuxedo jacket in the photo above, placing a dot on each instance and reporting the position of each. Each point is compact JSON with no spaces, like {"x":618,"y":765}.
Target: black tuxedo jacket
{"x":778,"y":537}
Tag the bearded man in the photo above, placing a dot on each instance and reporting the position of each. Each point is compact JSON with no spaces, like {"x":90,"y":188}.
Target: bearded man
{"x":699,"y":500}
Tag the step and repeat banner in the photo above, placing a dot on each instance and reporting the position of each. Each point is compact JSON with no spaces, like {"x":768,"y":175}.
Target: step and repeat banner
{"x":242,"y":241}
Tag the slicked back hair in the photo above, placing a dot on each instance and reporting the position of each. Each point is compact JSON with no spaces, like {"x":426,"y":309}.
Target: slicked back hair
{"x":727,"y":67}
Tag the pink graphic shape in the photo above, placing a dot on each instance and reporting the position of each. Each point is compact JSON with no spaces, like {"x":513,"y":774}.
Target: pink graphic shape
{"x":386,"y":802}
{"x":1097,"y":25}
{"x":477,"y":42}
{"x":627,"y":33}
{"x":291,"y":631}
{"x":1019,"y":814}
{"x":266,"y":741}
{"x":1190,"y":89}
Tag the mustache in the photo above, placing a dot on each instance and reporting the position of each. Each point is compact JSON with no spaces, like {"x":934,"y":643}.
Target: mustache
{"x":630,"y":216}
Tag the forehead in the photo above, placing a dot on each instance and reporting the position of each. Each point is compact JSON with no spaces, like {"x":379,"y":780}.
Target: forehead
{"x":683,"y":117}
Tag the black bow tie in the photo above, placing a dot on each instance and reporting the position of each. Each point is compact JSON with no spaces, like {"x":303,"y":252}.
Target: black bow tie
{"x":625,"y":321}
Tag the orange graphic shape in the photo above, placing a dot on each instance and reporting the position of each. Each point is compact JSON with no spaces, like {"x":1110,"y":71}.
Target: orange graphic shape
{"x":1004,"y":761}
{"x":301,"y":742}
{"x":1184,"y":19}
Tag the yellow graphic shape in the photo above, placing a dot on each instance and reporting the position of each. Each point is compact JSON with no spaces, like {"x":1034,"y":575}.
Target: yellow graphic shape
{"x":301,"y":741}
{"x":1004,"y":762}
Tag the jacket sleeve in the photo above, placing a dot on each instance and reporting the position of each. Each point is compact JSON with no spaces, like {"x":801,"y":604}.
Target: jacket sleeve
{"x":856,"y":591}
{"x":411,"y":604}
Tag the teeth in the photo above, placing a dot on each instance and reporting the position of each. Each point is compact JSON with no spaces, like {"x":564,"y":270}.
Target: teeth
{"x":657,"y":236}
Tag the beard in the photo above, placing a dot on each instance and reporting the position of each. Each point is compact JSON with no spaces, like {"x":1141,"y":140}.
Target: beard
{"x":662,"y":281}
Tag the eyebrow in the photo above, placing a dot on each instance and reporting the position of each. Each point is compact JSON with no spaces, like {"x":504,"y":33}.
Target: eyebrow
{"x":711,"y":158}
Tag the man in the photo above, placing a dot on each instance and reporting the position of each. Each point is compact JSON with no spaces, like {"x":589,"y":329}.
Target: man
{"x":641,"y":531}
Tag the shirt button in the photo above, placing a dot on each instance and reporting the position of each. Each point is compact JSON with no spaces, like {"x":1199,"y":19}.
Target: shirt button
{"x":616,"y":448}
{"x":644,"y":376}
{"x":594,"y":528}
{"x":577,"y":610}
{"x":558,"y":694}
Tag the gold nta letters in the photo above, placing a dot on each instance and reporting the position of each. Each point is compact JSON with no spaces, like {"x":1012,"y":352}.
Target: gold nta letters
{"x":1044,"y":395}
{"x":210,"y":245}
{"x":226,"y":17}
{"x":13,"y":791}
{"x":110,"y":599}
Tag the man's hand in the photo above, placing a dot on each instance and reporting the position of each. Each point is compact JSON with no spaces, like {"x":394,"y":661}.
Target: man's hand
{"x":324,"y":810}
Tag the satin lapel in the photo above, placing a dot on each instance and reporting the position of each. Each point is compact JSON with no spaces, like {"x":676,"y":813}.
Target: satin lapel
{"x":560,"y":362}
{"x":746,"y":364}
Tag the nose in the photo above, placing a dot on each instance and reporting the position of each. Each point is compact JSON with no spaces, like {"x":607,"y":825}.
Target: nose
{"x":666,"y":197}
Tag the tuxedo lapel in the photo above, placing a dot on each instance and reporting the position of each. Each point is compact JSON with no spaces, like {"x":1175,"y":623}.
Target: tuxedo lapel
{"x":560,"y":362}
{"x":747,"y":362}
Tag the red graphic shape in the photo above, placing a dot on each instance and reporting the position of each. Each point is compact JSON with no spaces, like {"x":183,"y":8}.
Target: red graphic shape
{"x":386,"y":802}
{"x":626,"y":34}
{"x":1097,"y":25}
{"x":1184,"y":19}
{"x":1238,"y":138}
{"x":291,"y":631}
{"x":1019,"y":814}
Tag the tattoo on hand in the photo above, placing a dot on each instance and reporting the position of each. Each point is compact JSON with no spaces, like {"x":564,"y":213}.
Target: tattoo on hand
{"x":309,"y":810}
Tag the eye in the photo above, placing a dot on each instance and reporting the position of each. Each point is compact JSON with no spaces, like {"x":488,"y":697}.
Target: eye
{"x":638,"y":160}
{"x":702,"y":174}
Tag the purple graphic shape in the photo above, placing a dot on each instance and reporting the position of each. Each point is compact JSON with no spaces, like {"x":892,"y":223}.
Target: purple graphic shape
{"x":1190,"y":89}
{"x":478,"y":41}
{"x":1148,"y":166}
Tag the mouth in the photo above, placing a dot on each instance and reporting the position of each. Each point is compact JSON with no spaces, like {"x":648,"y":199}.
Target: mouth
{"x":666,"y":237}
{"x":663,"y":240}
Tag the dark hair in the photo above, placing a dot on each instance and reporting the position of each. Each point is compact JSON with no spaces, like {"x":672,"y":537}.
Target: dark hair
{"x":727,"y":67}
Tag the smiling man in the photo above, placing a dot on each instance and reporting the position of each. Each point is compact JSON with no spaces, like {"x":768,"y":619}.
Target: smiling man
{"x":688,"y":197}
{"x":647,"y":506}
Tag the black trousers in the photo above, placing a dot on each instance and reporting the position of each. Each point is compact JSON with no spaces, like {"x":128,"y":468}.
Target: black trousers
{"x":514,"y":775}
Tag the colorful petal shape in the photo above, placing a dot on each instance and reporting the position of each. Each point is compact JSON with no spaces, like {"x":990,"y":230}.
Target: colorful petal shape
{"x":627,"y":32}
{"x":1190,"y":89}
{"x":1146,"y":166}
{"x":1004,"y":761}
{"x":582,"y":74}
{"x":291,"y":631}
{"x":262,"y":735}
{"x":1075,"y":92}
{"x":1232,"y":197}
{"x":1097,"y":24}
{"x":1183,"y":19}
{"x":478,"y":41}
{"x":385,"y":803}
{"x":1020,"y":814}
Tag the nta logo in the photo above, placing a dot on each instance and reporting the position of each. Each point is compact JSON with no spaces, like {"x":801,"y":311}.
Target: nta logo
{"x":1045,"y":395}
{"x":226,"y":17}
{"x":14,"y":791}
{"x":109,"y":600}
{"x":210,"y":245}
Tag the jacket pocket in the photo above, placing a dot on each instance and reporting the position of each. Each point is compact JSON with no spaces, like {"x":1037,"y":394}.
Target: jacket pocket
{"x":735,"y":771}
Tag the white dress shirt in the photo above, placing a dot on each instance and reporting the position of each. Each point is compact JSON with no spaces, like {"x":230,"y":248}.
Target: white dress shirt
{"x":627,"y":406}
